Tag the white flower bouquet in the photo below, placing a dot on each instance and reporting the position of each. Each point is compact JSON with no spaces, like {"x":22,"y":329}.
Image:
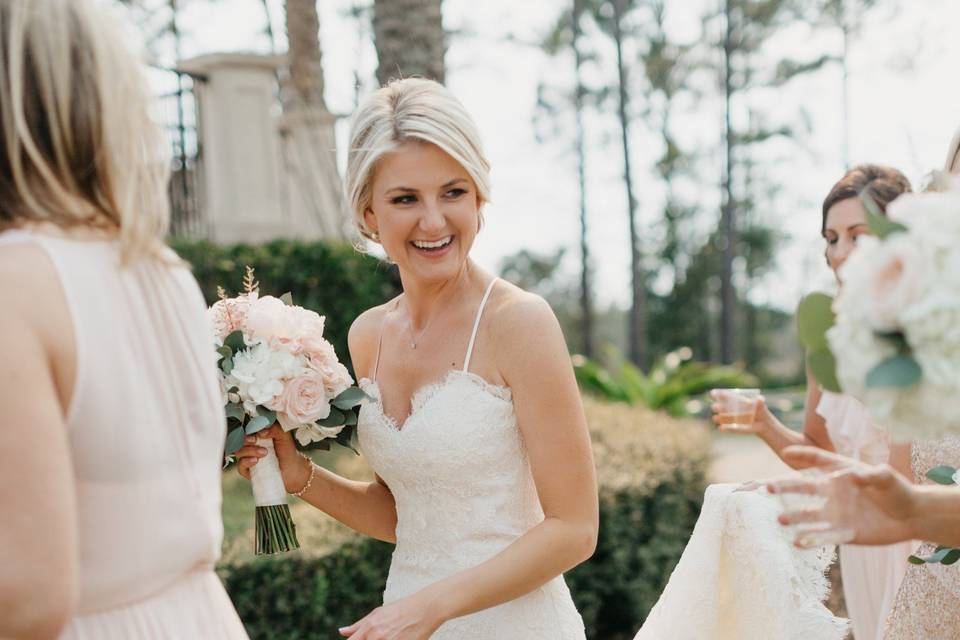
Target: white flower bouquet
{"x":892,"y":336}
{"x":275,"y":366}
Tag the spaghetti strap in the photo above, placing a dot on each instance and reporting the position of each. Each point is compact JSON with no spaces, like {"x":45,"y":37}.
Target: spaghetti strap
{"x":476,"y":325}
{"x":376,"y":362}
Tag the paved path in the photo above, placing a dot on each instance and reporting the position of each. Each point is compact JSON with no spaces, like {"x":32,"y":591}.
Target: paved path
{"x":739,"y":457}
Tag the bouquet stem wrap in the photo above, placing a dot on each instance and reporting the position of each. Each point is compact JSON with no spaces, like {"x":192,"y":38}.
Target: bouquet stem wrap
{"x":275,"y":531}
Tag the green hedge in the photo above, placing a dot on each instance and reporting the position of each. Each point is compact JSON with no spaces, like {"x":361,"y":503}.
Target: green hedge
{"x":328,"y":277}
{"x":651,"y":474}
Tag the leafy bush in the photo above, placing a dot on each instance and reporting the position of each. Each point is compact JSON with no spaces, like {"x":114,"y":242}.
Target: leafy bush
{"x":650,"y":469}
{"x":331,"y":278}
{"x":671,"y":383}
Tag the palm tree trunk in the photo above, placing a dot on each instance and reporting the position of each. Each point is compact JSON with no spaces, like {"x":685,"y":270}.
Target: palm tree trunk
{"x":409,"y":38}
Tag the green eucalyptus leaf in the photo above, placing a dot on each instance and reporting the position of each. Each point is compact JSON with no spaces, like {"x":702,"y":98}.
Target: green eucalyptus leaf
{"x":951,"y":558}
{"x":350,"y":398}
{"x":880,"y":225}
{"x":226,"y":365}
{"x":351,"y":419}
{"x":259,"y":423}
{"x":235,"y":411}
{"x":823,"y":366}
{"x":814,"y":317}
{"x":915,"y":559}
{"x":937,"y":556}
{"x":235,"y":341}
{"x":335,"y":419}
{"x":942,"y":475}
{"x":225,"y":351}
{"x":269,"y":414}
{"x":234,"y":441}
{"x":898,"y":340}
{"x":897,"y":371}
{"x":287,"y":299}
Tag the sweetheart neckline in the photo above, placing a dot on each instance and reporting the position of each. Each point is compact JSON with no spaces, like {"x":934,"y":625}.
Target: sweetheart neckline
{"x":426,"y":392}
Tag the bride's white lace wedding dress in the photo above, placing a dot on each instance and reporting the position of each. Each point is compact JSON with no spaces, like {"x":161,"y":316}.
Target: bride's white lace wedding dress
{"x":459,"y":473}
{"x":741,"y":578}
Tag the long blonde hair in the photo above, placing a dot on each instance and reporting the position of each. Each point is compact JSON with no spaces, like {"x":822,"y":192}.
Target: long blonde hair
{"x":79,"y":147}
{"x":405,"y":110}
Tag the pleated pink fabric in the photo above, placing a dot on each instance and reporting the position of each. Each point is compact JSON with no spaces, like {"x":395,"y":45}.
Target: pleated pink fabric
{"x":146,"y":431}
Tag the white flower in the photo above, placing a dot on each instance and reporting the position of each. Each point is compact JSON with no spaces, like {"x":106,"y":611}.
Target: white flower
{"x":314,"y":433}
{"x":259,"y":373}
{"x":956,"y":477}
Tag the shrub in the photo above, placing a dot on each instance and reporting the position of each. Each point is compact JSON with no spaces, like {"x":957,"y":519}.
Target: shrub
{"x":650,"y":468}
{"x":331,"y":278}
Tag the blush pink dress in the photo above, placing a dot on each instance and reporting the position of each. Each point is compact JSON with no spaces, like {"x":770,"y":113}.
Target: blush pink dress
{"x":146,"y":433}
{"x":871,"y":575}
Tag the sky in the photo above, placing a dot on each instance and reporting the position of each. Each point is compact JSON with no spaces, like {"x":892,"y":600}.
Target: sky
{"x":904,"y":107}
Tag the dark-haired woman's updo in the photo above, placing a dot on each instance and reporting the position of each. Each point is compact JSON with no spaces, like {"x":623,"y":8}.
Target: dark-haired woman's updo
{"x":881,"y":184}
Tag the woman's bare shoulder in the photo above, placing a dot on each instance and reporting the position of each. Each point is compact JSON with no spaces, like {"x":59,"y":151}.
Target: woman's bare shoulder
{"x":364,"y":337}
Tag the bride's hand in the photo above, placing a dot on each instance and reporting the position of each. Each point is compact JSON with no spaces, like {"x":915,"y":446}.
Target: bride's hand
{"x":294,"y":468}
{"x":725,"y":418}
{"x":411,"y":618}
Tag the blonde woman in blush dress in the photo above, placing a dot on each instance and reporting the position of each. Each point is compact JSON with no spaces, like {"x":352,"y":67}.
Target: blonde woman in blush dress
{"x":837,"y":422}
{"x":112,"y":416}
{"x":485,"y":478}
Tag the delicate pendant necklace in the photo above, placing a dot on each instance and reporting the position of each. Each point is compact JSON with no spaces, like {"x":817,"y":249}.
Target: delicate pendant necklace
{"x":414,"y":339}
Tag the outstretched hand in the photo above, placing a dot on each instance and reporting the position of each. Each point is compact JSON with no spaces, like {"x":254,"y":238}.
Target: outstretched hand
{"x":873,"y":503}
{"x":410,"y":618}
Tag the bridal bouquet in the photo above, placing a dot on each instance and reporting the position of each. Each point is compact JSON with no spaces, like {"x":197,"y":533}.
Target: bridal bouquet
{"x":275,"y":366}
{"x":892,"y":336}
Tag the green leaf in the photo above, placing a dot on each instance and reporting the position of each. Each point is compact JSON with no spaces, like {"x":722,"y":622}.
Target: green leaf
{"x":350,"y":398}
{"x":951,"y":558}
{"x":235,"y":341}
{"x":235,"y":411}
{"x":269,"y":414}
{"x":256,"y":424}
{"x":225,"y":351}
{"x":234,"y":441}
{"x":942,"y":475}
{"x":897,"y":371}
{"x":351,"y":419}
{"x":335,"y":419}
{"x":287,"y":299}
{"x":814,"y":317}
{"x":898,"y":340}
{"x":226,"y":365}
{"x":823,"y":366}
{"x":879,"y":224}
{"x":935,"y":558}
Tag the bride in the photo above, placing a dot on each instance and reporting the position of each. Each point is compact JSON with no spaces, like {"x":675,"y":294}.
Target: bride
{"x":485,"y":479}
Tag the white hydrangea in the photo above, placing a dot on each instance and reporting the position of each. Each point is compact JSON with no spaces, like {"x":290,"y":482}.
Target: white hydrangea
{"x":909,"y":283}
{"x":259,"y":373}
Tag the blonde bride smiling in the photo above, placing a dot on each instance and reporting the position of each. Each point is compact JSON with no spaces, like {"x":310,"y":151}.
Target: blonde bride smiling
{"x":485,"y":478}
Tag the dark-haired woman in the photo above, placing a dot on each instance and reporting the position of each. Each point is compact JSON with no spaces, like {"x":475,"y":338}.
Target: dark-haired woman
{"x":840,"y":423}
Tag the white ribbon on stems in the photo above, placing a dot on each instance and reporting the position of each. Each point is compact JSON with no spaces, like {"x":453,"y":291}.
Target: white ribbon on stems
{"x":268,"y":488}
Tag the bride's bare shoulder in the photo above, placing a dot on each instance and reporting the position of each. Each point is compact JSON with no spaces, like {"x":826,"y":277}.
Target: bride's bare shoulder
{"x":364,"y":336}
{"x":518,"y":315}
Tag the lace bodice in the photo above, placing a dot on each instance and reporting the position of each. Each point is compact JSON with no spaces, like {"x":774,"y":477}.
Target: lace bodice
{"x":460,"y":476}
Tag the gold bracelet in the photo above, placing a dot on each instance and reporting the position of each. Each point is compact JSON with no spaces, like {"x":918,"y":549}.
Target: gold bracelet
{"x":313,"y":472}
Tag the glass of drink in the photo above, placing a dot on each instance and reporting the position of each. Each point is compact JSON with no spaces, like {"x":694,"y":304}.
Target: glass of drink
{"x":738,"y":408}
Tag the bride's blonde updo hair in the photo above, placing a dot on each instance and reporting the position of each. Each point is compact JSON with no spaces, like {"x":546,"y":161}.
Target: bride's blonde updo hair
{"x":407,"y":110}
{"x":79,"y":147}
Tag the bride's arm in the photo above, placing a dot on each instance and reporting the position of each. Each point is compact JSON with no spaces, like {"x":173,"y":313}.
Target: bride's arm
{"x":367,"y":507}
{"x":39,"y":582}
{"x":534,"y":361}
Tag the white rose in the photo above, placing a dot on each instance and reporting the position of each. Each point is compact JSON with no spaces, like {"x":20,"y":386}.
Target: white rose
{"x":314,"y":433}
{"x":259,"y":373}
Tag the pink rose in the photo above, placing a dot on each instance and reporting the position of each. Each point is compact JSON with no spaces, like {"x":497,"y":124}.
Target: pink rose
{"x":271,"y":320}
{"x":323,"y":360}
{"x":304,"y":401}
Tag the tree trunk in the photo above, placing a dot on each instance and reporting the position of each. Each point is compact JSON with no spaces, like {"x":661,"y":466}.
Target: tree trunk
{"x":728,"y":295}
{"x":586,"y":312}
{"x":638,"y":311}
{"x":309,"y":145}
{"x":409,"y":38}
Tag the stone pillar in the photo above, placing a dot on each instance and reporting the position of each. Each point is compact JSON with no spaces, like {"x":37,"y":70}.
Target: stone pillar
{"x":249,"y":194}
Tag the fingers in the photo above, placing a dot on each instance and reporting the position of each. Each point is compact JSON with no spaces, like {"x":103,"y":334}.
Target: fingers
{"x":348,"y":632}
{"x":803,"y":456}
{"x":803,"y":516}
{"x":805,"y":486}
